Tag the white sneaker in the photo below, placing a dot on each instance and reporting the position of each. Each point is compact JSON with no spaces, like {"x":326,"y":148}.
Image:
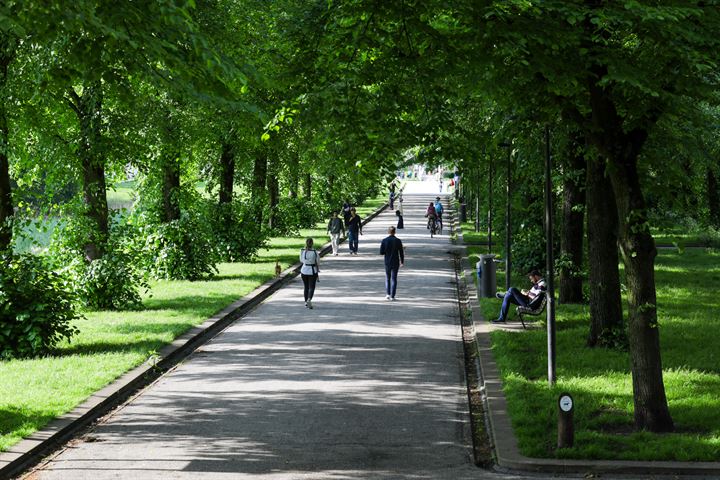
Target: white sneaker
{"x":309,"y":304}
{"x":306,"y":303}
{"x":387,"y":297}
{"x":393,"y":299}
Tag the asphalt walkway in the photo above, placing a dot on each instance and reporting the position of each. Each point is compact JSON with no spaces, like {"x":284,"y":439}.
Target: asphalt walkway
{"x":359,"y":387}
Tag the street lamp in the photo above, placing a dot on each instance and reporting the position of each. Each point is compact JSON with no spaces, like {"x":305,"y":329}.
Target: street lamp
{"x":490,"y":197}
{"x":549,"y":261}
{"x":508,"y":259}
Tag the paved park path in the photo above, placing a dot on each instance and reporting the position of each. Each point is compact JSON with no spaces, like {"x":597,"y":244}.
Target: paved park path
{"x":359,"y":387}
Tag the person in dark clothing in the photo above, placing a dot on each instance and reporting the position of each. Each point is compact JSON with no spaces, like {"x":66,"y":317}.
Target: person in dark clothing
{"x":354,"y":229}
{"x":346,"y":211}
{"x":392,"y":248}
{"x":521,"y":297}
{"x":401,"y":223}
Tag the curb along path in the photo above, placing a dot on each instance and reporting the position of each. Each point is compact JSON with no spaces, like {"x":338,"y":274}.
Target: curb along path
{"x":359,"y":387}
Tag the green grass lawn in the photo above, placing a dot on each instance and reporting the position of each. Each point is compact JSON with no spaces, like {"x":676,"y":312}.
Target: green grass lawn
{"x":600,"y":381}
{"x":680,"y":237}
{"x":110,"y":343}
{"x":122,"y":195}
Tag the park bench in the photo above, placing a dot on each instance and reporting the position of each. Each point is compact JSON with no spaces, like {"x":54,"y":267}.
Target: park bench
{"x":535,"y":308}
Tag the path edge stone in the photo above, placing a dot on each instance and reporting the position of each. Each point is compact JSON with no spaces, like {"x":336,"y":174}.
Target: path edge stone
{"x":32,"y":449}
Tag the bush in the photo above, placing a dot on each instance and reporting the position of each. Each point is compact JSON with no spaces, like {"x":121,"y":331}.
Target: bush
{"x":37,"y":307}
{"x":292,"y":214}
{"x":238,"y":234}
{"x":111,"y":282}
{"x":182,"y":249}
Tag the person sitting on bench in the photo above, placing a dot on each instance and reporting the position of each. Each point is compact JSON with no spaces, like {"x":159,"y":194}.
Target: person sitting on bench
{"x":521,"y":297}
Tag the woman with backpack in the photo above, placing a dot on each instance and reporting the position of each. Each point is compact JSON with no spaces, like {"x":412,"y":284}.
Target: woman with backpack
{"x":309,"y":271}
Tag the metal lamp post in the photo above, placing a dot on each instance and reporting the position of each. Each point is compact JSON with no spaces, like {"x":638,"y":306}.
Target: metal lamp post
{"x":490,"y":197}
{"x":549,"y":261}
{"x":508,"y":192}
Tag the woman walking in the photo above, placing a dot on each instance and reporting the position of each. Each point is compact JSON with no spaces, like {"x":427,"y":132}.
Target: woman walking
{"x":310,"y":269}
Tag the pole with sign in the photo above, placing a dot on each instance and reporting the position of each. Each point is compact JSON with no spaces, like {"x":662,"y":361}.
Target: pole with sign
{"x":566,"y":429}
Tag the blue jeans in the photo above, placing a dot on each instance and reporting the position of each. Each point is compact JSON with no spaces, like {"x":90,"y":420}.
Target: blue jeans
{"x":391,"y":272}
{"x":353,"y":241}
{"x":515,"y":297}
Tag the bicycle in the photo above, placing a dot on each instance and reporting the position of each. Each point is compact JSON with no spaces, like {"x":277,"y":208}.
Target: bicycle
{"x":433,"y":227}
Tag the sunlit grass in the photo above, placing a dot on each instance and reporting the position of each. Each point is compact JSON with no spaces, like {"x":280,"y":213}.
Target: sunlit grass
{"x":600,"y":382}
{"x":33,"y":392}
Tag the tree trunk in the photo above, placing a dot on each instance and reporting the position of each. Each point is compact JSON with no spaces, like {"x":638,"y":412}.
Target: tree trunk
{"x":6,"y":204}
{"x":89,"y":108}
{"x":571,"y":242}
{"x":170,"y":170}
{"x":273,"y":188}
{"x":713,"y":199}
{"x":227,"y":174}
{"x":294,"y":170}
{"x":308,"y":187}
{"x":638,"y":251}
{"x":603,"y":276}
{"x":259,"y":181}
{"x":637,"y":248}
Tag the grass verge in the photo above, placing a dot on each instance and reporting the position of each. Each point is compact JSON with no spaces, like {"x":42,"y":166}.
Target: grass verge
{"x":600,"y":381}
{"x":35,"y":391}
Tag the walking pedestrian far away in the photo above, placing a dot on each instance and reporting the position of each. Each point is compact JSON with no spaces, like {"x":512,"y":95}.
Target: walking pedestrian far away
{"x":309,"y":271}
{"x":354,"y":228}
{"x":335,"y":228}
{"x":392,"y":248}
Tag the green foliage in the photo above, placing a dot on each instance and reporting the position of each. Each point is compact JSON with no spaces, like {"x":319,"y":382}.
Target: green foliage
{"x":528,"y":249}
{"x":295,"y":213}
{"x":182,"y":249}
{"x":112,"y":282}
{"x":37,"y":307}
{"x":237,"y":233}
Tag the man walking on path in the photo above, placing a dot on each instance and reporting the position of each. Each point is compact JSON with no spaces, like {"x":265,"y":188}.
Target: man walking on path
{"x":354,"y":227}
{"x":392,"y":248}
{"x":335,"y":228}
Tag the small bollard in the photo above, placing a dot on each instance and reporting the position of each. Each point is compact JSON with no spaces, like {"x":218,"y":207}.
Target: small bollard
{"x":566,"y":429}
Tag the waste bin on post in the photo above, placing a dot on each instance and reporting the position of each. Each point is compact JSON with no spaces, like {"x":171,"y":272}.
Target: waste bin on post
{"x":487,"y":283}
{"x":463,"y":213}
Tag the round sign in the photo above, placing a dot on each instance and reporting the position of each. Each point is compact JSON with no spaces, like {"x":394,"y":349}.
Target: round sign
{"x":566,"y":402}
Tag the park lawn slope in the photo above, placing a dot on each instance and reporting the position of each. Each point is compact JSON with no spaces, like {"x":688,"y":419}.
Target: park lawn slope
{"x":110,"y":343}
{"x":600,"y":382}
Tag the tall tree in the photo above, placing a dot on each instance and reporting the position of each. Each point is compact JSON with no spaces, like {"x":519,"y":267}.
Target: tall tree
{"x":573,"y":214}
{"x":606,"y":315}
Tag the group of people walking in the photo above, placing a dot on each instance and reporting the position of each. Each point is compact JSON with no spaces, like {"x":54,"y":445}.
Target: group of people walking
{"x":391,"y":247}
{"x":336,"y":229}
{"x":393,"y":251}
